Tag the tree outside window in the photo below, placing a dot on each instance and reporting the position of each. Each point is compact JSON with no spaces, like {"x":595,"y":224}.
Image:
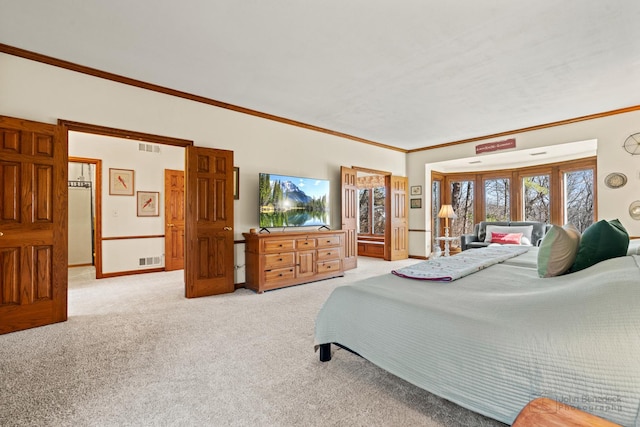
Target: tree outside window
{"x":372,"y":214}
{"x":537,"y":198}
{"x":379,"y":212}
{"x":578,"y":198}
{"x":497,"y":200}
{"x":364,"y":215}
{"x":462,"y":196}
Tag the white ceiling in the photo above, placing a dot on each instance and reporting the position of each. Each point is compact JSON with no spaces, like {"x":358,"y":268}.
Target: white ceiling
{"x":405,"y":73}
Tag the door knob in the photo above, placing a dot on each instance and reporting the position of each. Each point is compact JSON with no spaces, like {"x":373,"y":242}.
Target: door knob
{"x":1,"y":234}
{"x":228,"y":228}
{"x":170,"y":225}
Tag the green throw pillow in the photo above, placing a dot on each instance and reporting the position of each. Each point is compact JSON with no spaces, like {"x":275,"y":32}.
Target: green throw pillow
{"x":600,"y":241}
{"x":558,"y":250}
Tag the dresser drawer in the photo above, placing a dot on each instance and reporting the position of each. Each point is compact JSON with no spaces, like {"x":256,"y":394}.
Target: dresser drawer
{"x":328,"y":254}
{"x":328,"y":266}
{"x":278,"y":245}
{"x":279,"y":275}
{"x":302,"y":244}
{"x":272,"y":261}
{"x":327,"y":241}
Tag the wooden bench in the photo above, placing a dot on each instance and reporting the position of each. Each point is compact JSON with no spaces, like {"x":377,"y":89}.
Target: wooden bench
{"x":371,"y":246}
{"x":545,"y":412}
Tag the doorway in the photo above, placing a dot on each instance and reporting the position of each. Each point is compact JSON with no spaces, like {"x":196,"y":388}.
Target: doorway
{"x":127,"y":238}
{"x":84,"y":190}
{"x":396,"y":206}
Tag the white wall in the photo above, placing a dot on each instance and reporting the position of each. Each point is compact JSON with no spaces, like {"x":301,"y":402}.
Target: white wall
{"x":41,"y":92}
{"x":610,"y":133}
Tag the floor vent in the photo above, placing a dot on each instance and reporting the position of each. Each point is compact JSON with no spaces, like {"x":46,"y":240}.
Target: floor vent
{"x":153,"y":260}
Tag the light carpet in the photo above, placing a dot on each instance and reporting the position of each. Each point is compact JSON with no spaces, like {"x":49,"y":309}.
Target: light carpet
{"x":135,"y":352}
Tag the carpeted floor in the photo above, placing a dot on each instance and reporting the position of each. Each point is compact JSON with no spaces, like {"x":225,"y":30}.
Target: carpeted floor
{"x":135,"y":352}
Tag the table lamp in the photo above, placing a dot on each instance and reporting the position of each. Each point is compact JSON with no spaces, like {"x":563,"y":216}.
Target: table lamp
{"x":446,"y":212}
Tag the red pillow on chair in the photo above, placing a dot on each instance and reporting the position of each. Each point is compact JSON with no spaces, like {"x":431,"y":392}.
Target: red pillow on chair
{"x":506,"y":238}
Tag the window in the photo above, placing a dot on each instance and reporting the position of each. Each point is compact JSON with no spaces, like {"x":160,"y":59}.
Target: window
{"x":497,"y":200}
{"x":364,"y":218}
{"x":536,"y":198}
{"x":378,"y":210}
{"x":371,"y":219}
{"x":462,"y":198}
{"x":578,"y":198}
{"x":436,"y":185}
{"x":555,"y":193}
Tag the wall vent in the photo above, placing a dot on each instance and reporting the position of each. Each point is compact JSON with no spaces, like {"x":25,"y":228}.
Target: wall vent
{"x":148,"y":148}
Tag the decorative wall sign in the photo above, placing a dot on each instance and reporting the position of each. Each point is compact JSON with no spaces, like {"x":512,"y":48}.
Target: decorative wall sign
{"x":615,"y":180}
{"x":416,"y":190}
{"x":416,"y":203}
{"x":495,"y":146}
{"x":120,"y":182}
{"x":148,"y":203}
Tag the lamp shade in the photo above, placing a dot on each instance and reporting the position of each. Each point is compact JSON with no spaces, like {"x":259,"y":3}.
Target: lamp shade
{"x":446,"y":211}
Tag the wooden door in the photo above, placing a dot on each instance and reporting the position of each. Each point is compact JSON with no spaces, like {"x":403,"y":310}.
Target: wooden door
{"x":33,"y":225}
{"x":209,"y":256}
{"x":349,"y":186}
{"x":173,"y":219}
{"x":397,"y":223}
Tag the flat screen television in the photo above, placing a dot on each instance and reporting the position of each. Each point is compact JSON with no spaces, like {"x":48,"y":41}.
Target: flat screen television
{"x":292,"y":201}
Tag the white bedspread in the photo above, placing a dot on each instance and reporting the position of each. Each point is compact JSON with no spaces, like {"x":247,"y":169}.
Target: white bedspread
{"x":495,"y":340}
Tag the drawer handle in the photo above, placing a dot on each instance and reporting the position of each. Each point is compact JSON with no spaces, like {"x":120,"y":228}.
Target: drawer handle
{"x":328,"y":253}
{"x":279,"y":259}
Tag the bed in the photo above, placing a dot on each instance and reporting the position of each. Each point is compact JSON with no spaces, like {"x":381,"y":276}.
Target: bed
{"x":496,"y":339}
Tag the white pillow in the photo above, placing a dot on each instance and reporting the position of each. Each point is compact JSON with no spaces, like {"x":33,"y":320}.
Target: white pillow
{"x":558,"y":250}
{"x":526,"y":231}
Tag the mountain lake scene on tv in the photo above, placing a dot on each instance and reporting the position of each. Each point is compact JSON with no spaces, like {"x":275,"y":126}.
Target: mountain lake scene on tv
{"x":287,"y":201}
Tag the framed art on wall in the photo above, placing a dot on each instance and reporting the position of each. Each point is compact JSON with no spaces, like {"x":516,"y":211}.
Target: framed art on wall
{"x":416,"y":190}
{"x":416,"y":203}
{"x":148,"y":203}
{"x":120,"y":182}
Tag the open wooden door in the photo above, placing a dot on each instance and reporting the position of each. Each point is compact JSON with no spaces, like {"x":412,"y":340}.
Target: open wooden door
{"x":209,"y":256}
{"x":173,"y":220}
{"x":33,"y":225}
{"x":349,"y":186}
{"x":397,"y":225}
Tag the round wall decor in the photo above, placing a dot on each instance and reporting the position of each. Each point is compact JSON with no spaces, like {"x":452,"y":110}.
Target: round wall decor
{"x":615,"y":180}
{"x":634,"y":210}
{"x":632,"y":144}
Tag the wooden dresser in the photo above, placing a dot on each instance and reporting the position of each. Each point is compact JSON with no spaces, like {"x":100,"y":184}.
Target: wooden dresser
{"x":278,"y":259}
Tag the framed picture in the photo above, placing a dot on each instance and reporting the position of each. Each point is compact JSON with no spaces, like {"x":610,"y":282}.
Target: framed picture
{"x":236,"y":183}
{"x":416,"y":190}
{"x":120,"y":182}
{"x":148,"y":203}
{"x":416,"y":203}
